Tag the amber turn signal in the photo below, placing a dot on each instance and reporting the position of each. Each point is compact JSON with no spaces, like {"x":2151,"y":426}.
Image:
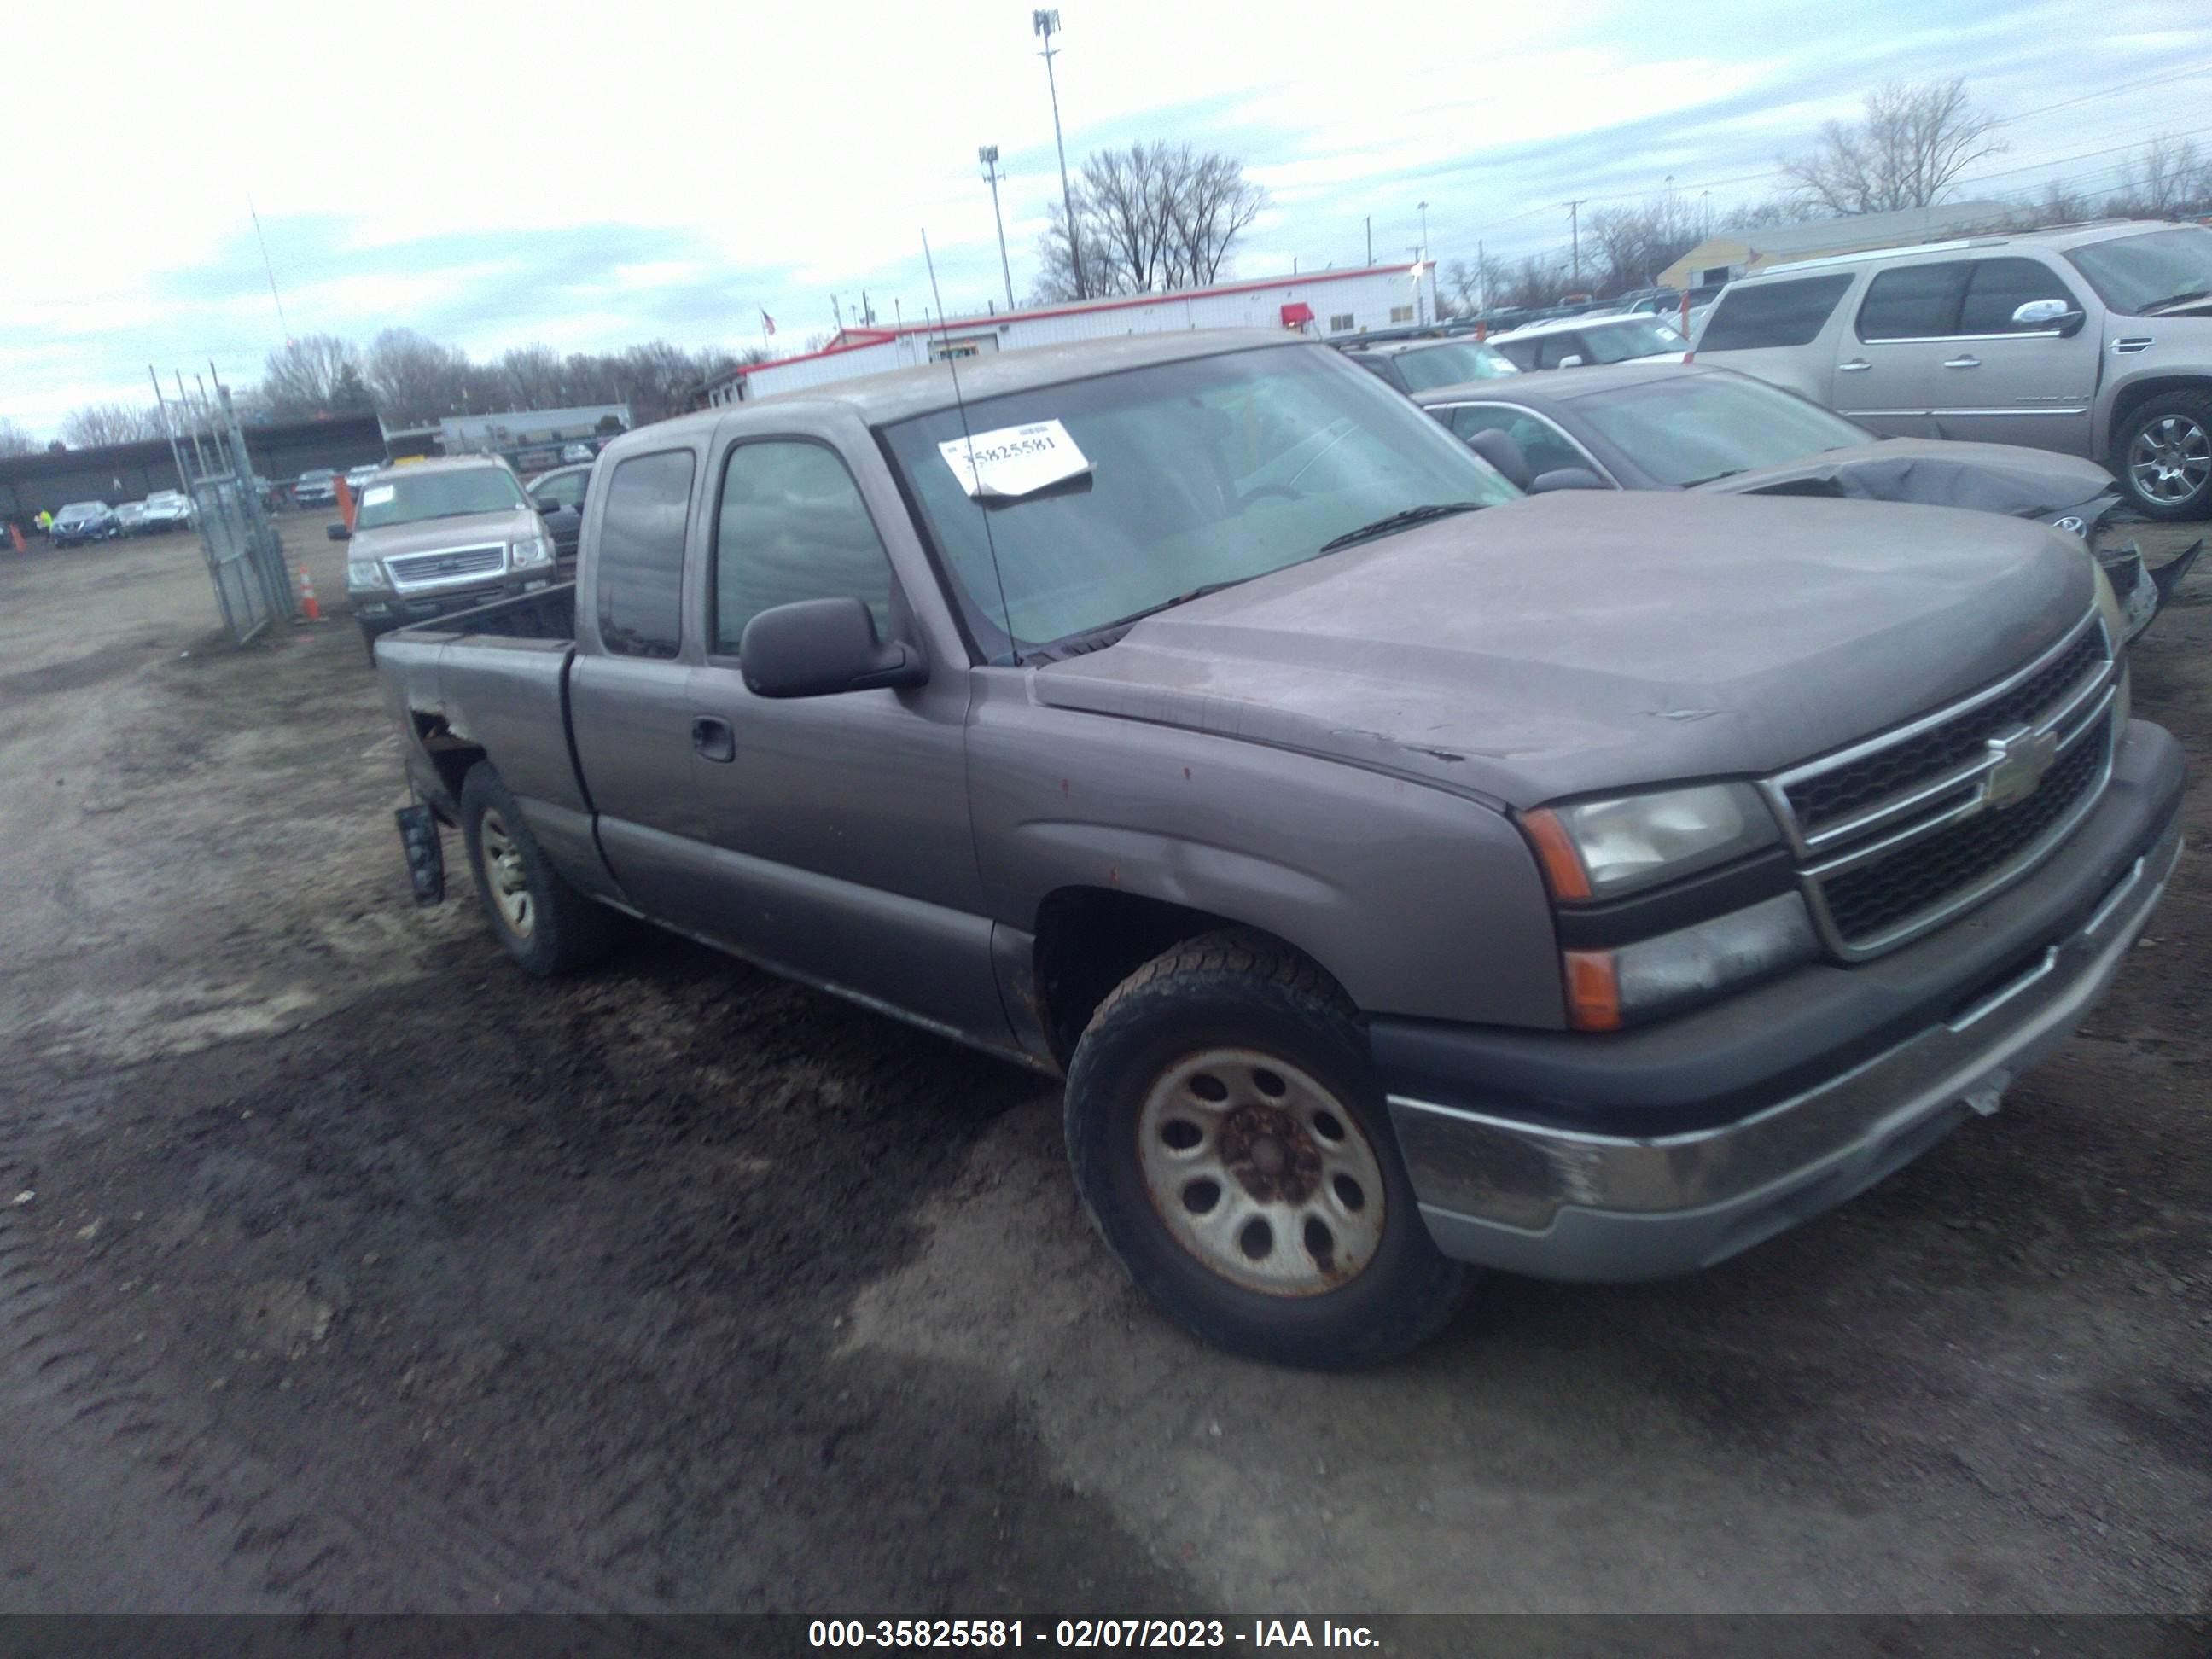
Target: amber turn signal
{"x":1563,"y":866}
{"x":1593,"y":991}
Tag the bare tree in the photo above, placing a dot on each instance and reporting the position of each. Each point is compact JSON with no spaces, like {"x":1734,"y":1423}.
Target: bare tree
{"x":1151,"y":218}
{"x":100,"y":424}
{"x":534,"y":377}
{"x":1914,"y":140}
{"x":1633,"y":245}
{"x":1211,"y":204}
{"x":415,"y":379}
{"x":15,"y":440}
{"x":315,"y":374}
{"x":1055,"y":282}
{"x":2162,"y":178}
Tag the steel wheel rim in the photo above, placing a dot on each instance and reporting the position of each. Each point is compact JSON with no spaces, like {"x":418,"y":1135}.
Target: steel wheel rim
{"x":2170,"y":459}
{"x":1258,"y":1172}
{"x":510,"y":882}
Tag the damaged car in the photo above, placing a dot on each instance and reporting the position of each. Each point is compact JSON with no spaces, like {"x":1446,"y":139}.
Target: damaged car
{"x":1686,"y":426}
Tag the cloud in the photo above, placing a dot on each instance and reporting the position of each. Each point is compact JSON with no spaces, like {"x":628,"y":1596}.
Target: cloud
{"x":497,"y":174}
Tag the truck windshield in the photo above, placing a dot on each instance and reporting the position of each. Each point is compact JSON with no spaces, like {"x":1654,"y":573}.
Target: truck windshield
{"x":1202,"y":473}
{"x":1697,"y":427}
{"x":413,"y":496}
{"x":2137,"y":275}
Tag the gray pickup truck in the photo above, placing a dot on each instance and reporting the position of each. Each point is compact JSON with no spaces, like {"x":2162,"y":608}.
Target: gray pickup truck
{"x":1403,"y":873}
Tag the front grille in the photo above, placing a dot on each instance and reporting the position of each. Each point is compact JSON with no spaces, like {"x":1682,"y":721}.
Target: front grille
{"x":1849,"y":791}
{"x":1867,"y":901}
{"x":415,"y":570}
{"x":1896,"y":836}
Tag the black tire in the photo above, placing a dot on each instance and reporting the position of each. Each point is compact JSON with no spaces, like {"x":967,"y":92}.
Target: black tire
{"x":1237,"y":990}
{"x":368,"y":643}
{"x":564,"y":931}
{"x":2192,"y":411}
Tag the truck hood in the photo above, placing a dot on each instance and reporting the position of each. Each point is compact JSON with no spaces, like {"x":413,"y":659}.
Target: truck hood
{"x":435,"y":535}
{"x":1584,"y":641}
{"x":1937,"y":472}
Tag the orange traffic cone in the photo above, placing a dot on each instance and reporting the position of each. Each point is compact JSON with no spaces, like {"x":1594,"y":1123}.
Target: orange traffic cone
{"x":308,"y":608}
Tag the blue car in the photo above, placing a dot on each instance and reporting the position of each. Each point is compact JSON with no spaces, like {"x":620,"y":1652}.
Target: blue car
{"x":85,"y":522}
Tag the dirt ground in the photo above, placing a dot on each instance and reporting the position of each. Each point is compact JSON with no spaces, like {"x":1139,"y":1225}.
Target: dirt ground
{"x":344,"y":1267}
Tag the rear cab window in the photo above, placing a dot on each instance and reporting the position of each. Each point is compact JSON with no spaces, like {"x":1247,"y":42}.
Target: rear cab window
{"x":1781,"y":313}
{"x":641,"y":552}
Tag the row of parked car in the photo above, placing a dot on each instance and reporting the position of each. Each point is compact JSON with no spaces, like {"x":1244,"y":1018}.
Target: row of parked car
{"x":82,"y":522}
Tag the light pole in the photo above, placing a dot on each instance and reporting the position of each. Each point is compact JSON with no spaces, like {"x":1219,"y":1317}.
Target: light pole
{"x":988,"y":155}
{"x":1575,"y":219}
{"x":1424,"y":229}
{"x":1044,"y":25}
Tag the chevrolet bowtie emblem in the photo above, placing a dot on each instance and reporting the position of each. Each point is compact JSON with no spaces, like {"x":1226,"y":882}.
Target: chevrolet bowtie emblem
{"x":2022,"y":757}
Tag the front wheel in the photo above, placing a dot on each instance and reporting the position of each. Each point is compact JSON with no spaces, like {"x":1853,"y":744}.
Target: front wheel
{"x":2163,"y":455}
{"x":547,"y":926}
{"x":1232,"y":1145}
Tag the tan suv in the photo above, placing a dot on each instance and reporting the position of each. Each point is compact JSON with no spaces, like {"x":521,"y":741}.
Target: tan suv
{"x":2095,"y":340}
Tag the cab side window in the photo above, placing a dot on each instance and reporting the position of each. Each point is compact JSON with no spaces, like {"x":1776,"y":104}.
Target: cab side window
{"x":791,"y":527}
{"x":1555,"y":349}
{"x":1544,"y":444}
{"x":1997,"y":288}
{"x":1913,"y":302}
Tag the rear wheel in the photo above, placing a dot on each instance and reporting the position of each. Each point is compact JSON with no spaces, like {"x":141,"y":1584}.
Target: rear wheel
{"x":1232,"y":1145}
{"x":2163,"y":455}
{"x":547,"y":926}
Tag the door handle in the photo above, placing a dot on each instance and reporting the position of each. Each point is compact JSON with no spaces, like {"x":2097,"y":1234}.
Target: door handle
{"x":714,"y":739}
{"x":1962,"y":362}
{"x":1856,"y":366}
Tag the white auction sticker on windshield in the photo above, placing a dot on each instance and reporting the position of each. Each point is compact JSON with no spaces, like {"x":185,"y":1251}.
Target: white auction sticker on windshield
{"x":376,"y":495}
{"x":1014,"y":460}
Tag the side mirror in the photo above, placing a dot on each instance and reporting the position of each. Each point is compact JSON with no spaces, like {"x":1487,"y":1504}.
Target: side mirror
{"x":2057,"y":315}
{"x":1566,"y":477}
{"x":338,"y":532}
{"x":1570,"y":362}
{"x":1503,"y":453}
{"x":817,"y":647}
{"x":546,"y":509}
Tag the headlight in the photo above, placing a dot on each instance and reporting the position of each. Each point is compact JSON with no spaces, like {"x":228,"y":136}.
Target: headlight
{"x":365,"y":572}
{"x":1607,"y":989}
{"x":1603,"y":848}
{"x":537,"y":549}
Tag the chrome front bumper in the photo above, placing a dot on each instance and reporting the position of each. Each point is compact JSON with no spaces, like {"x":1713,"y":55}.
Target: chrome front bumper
{"x":1558,"y":1204}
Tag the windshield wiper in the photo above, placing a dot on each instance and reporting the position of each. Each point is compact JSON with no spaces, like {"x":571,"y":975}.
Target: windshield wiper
{"x":1392,"y":522}
{"x":2172,"y":300}
{"x":1725,"y":472}
{"x":1097,"y":638}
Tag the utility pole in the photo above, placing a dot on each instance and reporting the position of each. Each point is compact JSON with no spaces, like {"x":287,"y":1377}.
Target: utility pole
{"x":838,"y":312}
{"x":988,"y":155}
{"x":1481,"y":276}
{"x":1420,"y":298}
{"x":1370,"y":239}
{"x":1044,"y":25}
{"x":1424,"y":230}
{"x":1575,"y":219}
{"x":1706,"y":197}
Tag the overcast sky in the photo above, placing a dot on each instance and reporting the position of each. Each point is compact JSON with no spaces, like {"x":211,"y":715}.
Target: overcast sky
{"x":593,"y":176}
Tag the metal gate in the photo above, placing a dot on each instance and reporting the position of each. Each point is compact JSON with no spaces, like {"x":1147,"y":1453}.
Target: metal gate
{"x":245,"y":554}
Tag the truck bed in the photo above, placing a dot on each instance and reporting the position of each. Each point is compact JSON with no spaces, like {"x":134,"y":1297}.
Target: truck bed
{"x":548,"y":615}
{"x":491,"y":680}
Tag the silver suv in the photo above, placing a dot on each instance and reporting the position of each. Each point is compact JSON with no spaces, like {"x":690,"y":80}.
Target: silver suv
{"x":2095,"y":340}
